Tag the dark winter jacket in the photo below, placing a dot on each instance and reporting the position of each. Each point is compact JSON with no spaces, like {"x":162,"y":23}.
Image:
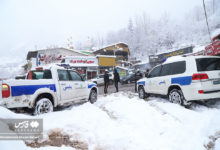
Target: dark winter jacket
{"x":138,"y":75}
{"x":116,"y":77}
{"x":146,"y":74}
{"x":106,"y":77}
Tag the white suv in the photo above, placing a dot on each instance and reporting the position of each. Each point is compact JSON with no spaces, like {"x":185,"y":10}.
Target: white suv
{"x":183,"y":79}
{"x":99,"y":79}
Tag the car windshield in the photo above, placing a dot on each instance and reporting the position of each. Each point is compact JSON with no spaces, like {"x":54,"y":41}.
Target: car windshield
{"x":208,"y":64}
{"x":95,"y":77}
{"x":128,"y":76}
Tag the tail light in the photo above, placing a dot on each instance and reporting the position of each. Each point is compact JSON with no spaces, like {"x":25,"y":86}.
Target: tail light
{"x":200,"y":77}
{"x":5,"y":91}
{"x":201,"y":92}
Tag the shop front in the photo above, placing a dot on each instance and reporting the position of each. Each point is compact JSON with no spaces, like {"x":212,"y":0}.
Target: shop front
{"x":86,"y":66}
{"x":105,"y":62}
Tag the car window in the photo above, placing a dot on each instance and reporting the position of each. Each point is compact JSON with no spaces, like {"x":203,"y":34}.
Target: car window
{"x":165,"y":70}
{"x":75,"y":76}
{"x":110,"y":75}
{"x":208,"y":64}
{"x":63,"y":75}
{"x":40,"y":74}
{"x":101,"y":76}
{"x":155,"y":72}
{"x":178,"y":68}
{"x":95,"y":77}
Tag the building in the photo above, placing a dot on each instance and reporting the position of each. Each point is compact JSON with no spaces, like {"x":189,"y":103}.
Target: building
{"x":157,"y":58}
{"x":120,"y":50}
{"x":106,"y":62}
{"x":53,"y":55}
{"x":82,"y":64}
{"x":89,"y":65}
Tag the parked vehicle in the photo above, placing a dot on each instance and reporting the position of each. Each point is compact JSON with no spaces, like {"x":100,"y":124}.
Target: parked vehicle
{"x":99,"y":79}
{"x":20,"y":77}
{"x":128,"y":79}
{"x":184,"y":79}
{"x":45,"y":88}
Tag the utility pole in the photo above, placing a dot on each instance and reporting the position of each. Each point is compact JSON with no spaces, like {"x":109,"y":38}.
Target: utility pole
{"x":213,"y":6}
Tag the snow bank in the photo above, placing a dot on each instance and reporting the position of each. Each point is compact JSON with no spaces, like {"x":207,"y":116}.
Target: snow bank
{"x":123,"y":121}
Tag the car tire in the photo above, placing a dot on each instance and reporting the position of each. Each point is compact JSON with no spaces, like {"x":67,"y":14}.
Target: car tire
{"x":129,"y":82}
{"x":93,"y":96}
{"x":43,"y":106}
{"x":176,"y":96}
{"x":141,"y":92}
{"x":111,"y":82}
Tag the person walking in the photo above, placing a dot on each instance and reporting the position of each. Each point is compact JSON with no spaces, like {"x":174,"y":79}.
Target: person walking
{"x":116,"y":79}
{"x":137,"y":76}
{"x":106,"y":81}
{"x":146,"y":73}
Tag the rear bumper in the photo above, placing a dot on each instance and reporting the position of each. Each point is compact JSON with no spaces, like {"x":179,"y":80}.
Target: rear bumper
{"x":14,"y":103}
{"x":192,"y":92}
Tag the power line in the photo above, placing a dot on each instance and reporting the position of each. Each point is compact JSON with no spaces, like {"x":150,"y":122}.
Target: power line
{"x":207,"y":20}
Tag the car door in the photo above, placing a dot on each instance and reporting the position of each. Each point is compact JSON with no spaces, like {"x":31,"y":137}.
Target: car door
{"x":100,"y":80}
{"x":151,"y":83}
{"x":164,"y":80}
{"x":66,"y":85}
{"x":79,"y":84}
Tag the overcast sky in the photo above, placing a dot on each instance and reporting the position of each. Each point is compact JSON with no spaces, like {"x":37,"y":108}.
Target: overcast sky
{"x":26,"y":23}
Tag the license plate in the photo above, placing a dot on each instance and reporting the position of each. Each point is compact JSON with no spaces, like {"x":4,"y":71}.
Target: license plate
{"x":216,"y":82}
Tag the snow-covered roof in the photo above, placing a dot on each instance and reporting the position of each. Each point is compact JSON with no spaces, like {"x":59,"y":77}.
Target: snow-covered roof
{"x":142,"y":63}
{"x":198,"y":48}
{"x":99,"y":48}
{"x":215,"y":33}
{"x":77,"y":51}
{"x":106,"y":56}
{"x":122,"y":68}
{"x":79,"y":57}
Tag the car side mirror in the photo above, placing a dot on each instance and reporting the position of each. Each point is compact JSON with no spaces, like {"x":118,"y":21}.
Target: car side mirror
{"x":97,"y":77}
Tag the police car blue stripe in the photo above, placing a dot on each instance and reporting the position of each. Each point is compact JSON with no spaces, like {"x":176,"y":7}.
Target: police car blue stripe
{"x":91,"y":85}
{"x":182,"y":80}
{"x":143,"y":82}
{"x":29,"y":89}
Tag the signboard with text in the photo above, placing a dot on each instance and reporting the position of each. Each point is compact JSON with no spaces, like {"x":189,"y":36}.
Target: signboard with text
{"x":81,"y":61}
{"x":213,"y":49}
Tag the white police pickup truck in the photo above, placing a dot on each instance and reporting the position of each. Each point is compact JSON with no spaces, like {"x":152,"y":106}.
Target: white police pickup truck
{"x":184,"y":79}
{"x":45,"y":88}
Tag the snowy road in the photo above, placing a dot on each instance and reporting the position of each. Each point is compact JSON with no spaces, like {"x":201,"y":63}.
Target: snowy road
{"x":121,"y":87}
{"x":123,"y":121}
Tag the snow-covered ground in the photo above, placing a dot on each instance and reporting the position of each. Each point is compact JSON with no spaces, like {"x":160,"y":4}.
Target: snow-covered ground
{"x":123,"y":121}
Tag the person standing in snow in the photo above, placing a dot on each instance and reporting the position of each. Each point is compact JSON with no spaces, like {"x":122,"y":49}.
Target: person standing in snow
{"x":106,"y":81}
{"x":137,"y":76}
{"x":116,"y":79}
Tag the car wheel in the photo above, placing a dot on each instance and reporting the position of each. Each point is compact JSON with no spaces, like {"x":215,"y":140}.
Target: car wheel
{"x":128,"y":81}
{"x":141,"y":93}
{"x":111,"y":82}
{"x":43,"y":106}
{"x":176,"y":96}
{"x":93,"y":96}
